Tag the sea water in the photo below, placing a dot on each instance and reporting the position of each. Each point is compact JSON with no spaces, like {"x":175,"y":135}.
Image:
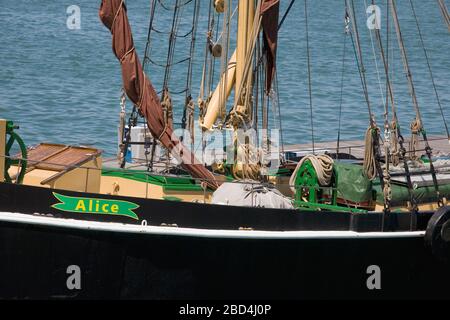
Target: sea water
{"x":63,"y":84}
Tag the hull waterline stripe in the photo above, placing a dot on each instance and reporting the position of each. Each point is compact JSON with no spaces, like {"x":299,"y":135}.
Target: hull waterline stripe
{"x":190,"y":232}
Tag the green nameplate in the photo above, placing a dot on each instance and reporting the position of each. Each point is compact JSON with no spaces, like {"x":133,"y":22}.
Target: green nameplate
{"x":96,"y":206}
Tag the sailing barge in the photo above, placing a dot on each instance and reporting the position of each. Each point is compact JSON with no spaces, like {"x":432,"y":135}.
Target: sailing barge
{"x":322,"y":224}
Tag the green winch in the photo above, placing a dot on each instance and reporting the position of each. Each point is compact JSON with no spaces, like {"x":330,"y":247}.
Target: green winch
{"x":347,"y":189}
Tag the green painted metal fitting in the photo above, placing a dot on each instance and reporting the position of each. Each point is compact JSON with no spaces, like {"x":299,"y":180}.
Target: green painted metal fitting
{"x":14,"y":137}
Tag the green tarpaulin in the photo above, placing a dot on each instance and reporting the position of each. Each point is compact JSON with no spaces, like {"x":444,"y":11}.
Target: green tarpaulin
{"x":352,"y":185}
{"x":400,"y":194}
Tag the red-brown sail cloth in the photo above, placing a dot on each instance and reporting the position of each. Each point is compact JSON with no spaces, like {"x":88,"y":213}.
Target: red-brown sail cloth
{"x":140,"y":91}
{"x":270,"y":10}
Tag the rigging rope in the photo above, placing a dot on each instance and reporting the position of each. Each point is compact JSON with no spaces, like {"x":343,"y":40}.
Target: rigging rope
{"x":249,"y":167}
{"x":388,"y":136}
{"x":417,"y":125}
{"x":372,"y":151}
{"x":429,"y":68}
{"x":176,"y":6}
{"x":172,"y":43}
{"x":280,"y":123}
{"x":341,"y":98}
{"x":208,"y":70}
{"x":237,"y":114}
{"x":444,"y":13}
{"x":395,"y":152}
{"x":372,"y":157}
{"x":226,"y":25}
{"x":308,"y":55}
{"x":174,"y":35}
{"x":147,"y":45}
{"x":206,"y":64}
{"x":392,"y":129}
{"x":397,"y":138}
{"x":370,"y":161}
{"x":375,"y":58}
{"x":286,"y":14}
{"x":189,"y":107}
{"x":121,"y":152}
{"x":359,"y":59}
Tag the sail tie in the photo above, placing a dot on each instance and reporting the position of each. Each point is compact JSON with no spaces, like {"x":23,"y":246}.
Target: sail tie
{"x":141,"y":96}
{"x":116,"y":15}
{"x":126,"y":54}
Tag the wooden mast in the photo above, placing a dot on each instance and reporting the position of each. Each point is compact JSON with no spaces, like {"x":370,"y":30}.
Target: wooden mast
{"x":405,"y":59}
{"x":236,"y":74}
{"x":226,"y":83}
{"x":227,"y":80}
{"x":246,"y":13}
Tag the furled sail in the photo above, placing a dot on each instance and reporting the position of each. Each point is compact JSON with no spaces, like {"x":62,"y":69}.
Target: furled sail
{"x":140,"y":90}
{"x":270,"y":14}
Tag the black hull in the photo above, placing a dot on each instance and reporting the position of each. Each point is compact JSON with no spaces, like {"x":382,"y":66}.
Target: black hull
{"x":132,"y":265}
{"x":35,"y":261}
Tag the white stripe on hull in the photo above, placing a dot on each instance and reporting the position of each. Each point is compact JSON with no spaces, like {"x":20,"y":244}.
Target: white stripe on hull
{"x":191,"y":232}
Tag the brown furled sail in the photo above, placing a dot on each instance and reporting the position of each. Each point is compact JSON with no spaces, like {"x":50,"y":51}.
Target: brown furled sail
{"x":140,"y":91}
{"x":270,"y":10}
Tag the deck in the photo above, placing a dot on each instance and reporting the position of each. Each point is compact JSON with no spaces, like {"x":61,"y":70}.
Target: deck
{"x":439,"y":144}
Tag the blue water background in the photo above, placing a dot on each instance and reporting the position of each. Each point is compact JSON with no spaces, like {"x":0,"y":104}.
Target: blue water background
{"x":63,"y":85}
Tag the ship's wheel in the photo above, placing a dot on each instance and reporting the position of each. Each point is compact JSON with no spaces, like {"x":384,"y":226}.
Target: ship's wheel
{"x":19,"y":160}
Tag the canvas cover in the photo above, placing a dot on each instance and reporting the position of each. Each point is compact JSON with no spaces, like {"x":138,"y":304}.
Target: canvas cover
{"x":250,"y":194}
{"x":352,"y":184}
{"x":400,"y":194}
